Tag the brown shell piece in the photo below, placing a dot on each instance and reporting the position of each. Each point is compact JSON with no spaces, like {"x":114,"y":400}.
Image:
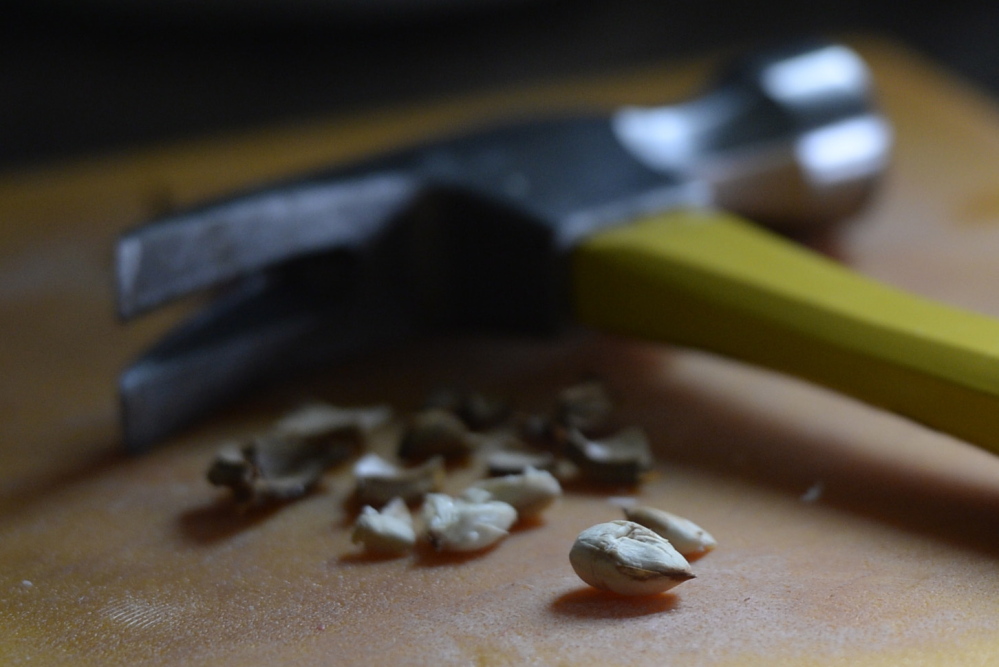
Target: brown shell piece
{"x":287,"y":462}
{"x":514,"y":462}
{"x":435,"y":432}
{"x":544,"y":433}
{"x":269,"y":469}
{"x":619,"y":459}
{"x":586,"y":407}
{"x":478,"y":411}
{"x":336,"y":426}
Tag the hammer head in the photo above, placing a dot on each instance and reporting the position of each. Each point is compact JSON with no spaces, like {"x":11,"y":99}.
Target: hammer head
{"x":788,"y":137}
{"x":475,"y":232}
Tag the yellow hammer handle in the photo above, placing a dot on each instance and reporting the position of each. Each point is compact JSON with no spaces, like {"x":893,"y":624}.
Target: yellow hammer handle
{"x":710,"y":280}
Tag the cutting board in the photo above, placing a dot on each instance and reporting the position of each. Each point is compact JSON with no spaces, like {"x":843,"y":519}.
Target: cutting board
{"x":847,"y":535}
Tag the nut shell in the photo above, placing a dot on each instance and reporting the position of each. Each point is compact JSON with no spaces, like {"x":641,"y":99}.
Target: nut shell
{"x":626,"y":558}
{"x":686,"y":536}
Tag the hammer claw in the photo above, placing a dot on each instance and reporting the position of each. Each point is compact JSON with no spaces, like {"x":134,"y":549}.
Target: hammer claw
{"x":218,"y":243}
{"x":265,"y":329}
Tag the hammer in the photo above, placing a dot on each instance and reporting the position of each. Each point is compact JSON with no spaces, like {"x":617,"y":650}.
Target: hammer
{"x":611,"y":221}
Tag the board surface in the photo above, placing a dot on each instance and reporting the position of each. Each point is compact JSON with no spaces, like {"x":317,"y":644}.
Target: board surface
{"x":847,"y":536}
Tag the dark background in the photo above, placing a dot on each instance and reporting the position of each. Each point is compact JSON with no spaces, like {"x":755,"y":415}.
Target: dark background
{"x":81,"y":77}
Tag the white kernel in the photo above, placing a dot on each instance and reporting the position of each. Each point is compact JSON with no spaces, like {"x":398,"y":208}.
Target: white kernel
{"x":530,"y":492}
{"x":389,"y":531}
{"x":454,"y":524}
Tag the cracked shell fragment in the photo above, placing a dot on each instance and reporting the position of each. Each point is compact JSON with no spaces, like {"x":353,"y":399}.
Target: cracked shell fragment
{"x":378,"y":481}
{"x":435,"y":432}
{"x":626,"y":558}
{"x":622,"y":458}
{"x":478,"y":411}
{"x":587,"y":407}
{"x":514,"y":462}
{"x":269,"y":469}
{"x":319,"y":422}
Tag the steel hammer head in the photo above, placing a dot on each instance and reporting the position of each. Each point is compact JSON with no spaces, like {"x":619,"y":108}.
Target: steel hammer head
{"x":475,"y":231}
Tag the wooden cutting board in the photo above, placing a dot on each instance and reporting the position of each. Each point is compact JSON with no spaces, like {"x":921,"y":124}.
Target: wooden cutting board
{"x":848,"y":536}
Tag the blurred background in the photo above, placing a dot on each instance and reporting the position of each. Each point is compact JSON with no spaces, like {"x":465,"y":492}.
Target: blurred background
{"x":84,"y":77}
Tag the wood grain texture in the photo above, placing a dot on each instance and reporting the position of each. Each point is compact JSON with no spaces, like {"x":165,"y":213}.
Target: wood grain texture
{"x":115,"y":561}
